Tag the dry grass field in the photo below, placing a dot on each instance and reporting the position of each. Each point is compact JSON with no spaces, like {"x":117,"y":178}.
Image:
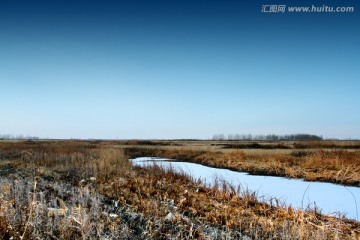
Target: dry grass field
{"x":89,"y":190}
{"x":326,"y":161}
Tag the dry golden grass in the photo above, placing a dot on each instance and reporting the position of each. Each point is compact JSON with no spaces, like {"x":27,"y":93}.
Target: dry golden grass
{"x":227,"y":208}
{"x":157,"y":203}
{"x":336,"y":166}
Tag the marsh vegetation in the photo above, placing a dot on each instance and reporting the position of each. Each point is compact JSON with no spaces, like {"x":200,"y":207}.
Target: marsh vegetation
{"x":90,"y":190}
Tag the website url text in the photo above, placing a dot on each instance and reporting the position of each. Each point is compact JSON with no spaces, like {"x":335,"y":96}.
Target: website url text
{"x":312,"y":9}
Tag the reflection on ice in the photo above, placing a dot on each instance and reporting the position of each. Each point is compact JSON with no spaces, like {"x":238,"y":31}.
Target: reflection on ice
{"x":328,"y":197}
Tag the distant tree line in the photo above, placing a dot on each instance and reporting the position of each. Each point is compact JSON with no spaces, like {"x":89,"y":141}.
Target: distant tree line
{"x":13,"y":137}
{"x":268,"y":137}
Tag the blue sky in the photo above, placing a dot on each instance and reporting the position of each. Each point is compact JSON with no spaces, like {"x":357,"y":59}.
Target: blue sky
{"x":177,"y":69}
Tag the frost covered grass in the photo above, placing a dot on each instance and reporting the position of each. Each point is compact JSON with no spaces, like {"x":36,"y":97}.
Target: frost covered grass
{"x":90,"y":190}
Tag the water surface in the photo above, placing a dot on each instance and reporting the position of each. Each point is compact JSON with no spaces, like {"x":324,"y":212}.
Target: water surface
{"x":331,"y":199}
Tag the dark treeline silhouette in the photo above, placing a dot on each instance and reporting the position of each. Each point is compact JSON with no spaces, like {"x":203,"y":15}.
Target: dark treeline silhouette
{"x":268,"y":137}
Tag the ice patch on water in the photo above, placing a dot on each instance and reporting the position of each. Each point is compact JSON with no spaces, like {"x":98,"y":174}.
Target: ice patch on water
{"x":327,"y":197}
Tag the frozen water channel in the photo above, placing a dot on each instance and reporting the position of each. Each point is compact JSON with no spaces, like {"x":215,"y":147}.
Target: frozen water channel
{"x":330,"y":198}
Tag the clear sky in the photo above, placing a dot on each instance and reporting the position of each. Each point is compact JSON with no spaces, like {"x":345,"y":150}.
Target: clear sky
{"x":177,"y":69}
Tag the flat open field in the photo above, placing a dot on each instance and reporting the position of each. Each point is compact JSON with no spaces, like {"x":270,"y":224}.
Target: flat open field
{"x":326,"y":161}
{"x":89,"y":189}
